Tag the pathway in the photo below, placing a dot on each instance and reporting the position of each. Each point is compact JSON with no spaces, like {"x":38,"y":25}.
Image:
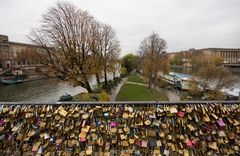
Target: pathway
{"x":170,"y":94}
{"x":141,"y":84}
{"x":117,"y":89}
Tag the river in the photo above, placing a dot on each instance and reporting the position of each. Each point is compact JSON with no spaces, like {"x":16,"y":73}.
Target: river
{"x":45,"y":90}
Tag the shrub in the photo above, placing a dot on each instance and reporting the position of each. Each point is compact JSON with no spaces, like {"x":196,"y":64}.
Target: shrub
{"x":194,"y":89}
{"x":104,"y":97}
{"x":216,"y":95}
{"x":97,"y":89}
{"x":117,"y":80}
{"x":123,"y":75}
{"x":109,"y":86}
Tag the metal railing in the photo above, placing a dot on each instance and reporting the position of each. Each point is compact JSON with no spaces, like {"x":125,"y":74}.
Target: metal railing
{"x":135,"y":103}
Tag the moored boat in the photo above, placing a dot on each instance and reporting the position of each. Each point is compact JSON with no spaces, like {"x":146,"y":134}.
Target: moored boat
{"x":232,"y":93}
{"x":179,"y":80}
{"x":11,"y":80}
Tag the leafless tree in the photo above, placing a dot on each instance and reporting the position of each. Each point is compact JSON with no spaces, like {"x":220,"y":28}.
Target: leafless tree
{"x":95,"y":45}
{"x":64,"y":35}
{"x":76,"y":46}
{"x":110,"y":49}
{"x":215,"y":78}
{"x":114,"y":61}
{"x":105,"y":49}
{"x":153,"y":58}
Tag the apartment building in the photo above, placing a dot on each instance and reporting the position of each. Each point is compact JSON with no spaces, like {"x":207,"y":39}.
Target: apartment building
{"x":17,"y":55}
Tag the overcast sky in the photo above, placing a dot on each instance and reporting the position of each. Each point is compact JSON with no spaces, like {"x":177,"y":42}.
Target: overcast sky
{"x":184,"y":24}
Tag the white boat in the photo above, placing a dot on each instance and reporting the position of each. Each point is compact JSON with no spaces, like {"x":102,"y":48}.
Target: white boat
{"x":232,"y":92}
{"x":178,"y":79}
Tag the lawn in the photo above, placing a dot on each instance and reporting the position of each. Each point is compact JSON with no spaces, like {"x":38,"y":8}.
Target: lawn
{"x":133,"y":92}
{"x":135,"y":78}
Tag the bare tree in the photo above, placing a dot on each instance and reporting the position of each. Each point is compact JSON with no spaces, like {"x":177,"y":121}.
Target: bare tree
{"x":64,"y":35}
{"x":114,"y":62}
{"x":214,"y":77}
{"x":95,"y":45}
{"x":105,"y":49}
{"x":110,"y":49}
{"x":153,"y":58}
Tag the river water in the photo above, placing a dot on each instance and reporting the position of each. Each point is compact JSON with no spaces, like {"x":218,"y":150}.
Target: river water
{"x":45,"y":90}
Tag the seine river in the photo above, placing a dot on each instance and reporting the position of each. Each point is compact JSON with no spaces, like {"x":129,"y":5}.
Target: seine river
{"x":45,"y":90}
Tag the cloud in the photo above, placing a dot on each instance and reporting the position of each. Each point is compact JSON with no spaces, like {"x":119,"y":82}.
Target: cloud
{"x":183,"y":24}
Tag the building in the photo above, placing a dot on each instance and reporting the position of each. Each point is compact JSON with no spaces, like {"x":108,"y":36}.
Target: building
{"x":229,"y":55}
{"x":17,"y":55}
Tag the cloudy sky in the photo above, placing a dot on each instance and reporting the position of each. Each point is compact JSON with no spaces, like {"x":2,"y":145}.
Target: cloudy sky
{"x":184,"y":24}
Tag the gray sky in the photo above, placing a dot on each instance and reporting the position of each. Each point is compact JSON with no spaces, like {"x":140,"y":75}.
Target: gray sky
{"x":184,"y":24}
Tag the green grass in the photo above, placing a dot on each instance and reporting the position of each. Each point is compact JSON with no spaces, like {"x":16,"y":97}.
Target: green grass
{"x":135,"y":78}
{"x":133,"y":92}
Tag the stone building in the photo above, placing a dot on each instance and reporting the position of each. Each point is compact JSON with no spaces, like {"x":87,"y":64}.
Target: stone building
{"x":17,"y":55}
{"x":229,"y":55}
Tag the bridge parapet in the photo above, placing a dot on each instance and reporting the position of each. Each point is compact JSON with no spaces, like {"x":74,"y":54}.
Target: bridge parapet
{"x":130,"y":128}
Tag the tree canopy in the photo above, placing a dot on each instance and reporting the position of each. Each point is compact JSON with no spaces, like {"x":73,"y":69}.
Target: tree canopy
{"x":153,"y":57}
{"x":76,"y":46}
{"x":129,"y":61}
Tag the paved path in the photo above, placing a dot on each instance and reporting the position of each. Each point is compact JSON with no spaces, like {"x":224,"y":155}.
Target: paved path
{"x":172,"y":96}
{"x":141,"y":84}
{"x":117,"y":89}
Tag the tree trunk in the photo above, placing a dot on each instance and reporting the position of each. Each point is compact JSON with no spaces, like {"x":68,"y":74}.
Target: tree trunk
{"x":105,"y":76}
{"x":203,"y":90}
{"x":114,"y":77}
{"x":88,"y":87}
{"x":149,"y":82}
{"x":98,"y":79}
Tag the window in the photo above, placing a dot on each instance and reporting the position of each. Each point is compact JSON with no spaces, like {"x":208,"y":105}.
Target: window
{"x":17,"y":49}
